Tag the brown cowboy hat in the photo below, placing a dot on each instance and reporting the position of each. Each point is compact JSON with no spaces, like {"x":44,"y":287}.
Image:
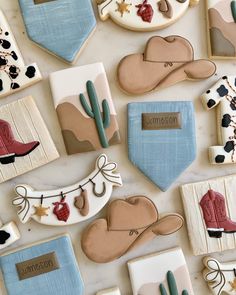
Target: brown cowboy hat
{"x":129,"y":223}
{"x":166,"y":61}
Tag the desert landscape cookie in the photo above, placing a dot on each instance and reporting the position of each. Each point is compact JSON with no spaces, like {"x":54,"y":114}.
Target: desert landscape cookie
{"x":143,"y":15}
{"x":14,"y":74}
{"x":221,"y":15}
{"x":111,"y":291}
{"x":26,"y":143}
{"x":85,"y":109}
{"x":210,"y":214}
{"x":129,"y":223}
{"x":222,"y":96}
{"x":156,"y":273}
{"x":9,"y":234}
{"x":161,"y":139}
{"x":46,"y":267}
{"x":61,"y":27}
{"x":165,"y":62}
{"x":71,"y":204}
{"x":220,"y":276}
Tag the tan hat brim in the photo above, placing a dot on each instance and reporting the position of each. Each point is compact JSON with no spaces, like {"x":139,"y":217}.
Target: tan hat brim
{"x":137,"y":76}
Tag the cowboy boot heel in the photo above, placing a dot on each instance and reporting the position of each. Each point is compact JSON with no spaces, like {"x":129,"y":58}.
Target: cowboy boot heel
{"x":214,"y":233}
{"x":5,"y":156}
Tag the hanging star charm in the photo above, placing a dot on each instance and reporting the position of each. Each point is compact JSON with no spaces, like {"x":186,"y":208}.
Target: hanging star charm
{"x":123,"y":7}
{"x":41,"y":211}
{"x":233,"y":285}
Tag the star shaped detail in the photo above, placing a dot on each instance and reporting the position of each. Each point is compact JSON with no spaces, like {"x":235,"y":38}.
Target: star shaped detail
{"x":41,"y":211}
{"x":123,"y":7}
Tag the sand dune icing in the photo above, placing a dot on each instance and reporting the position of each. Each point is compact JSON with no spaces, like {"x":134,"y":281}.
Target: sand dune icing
{"x":182,"y":281}
{"x":80,"y":131}
{"x":223,"y":37}
{"x":102,"y":90}
{"x":223,"y":7}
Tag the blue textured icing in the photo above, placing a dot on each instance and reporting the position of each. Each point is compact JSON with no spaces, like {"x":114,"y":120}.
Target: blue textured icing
{"x":161,"y":154}
{"x":60,"y":26}
{"x":65,"y":280}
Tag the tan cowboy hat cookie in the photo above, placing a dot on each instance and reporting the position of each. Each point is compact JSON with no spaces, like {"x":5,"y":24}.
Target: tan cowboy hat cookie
{"x":129,"y":223}
{"x":165,"y":61}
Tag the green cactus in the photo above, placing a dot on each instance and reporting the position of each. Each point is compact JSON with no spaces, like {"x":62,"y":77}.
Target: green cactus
{"x":95,"y":113}
{"x":172,"y":286}
{"x":233,"y":9}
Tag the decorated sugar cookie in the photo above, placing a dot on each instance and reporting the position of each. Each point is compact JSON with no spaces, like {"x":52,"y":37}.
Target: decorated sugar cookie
{"x":220,"y":276}
{"x":70,"y":204}
{"x":221,"y":28}
{"x":129,"y":223}
{"x":161,"y":139}
{"x":61,"y":27}
{"x":160,"y":273}
{"x":85,"y":108}
{"x":210,"y":214}
{"x":47,"y":267}
{"x":222,"y":96}
{"x":143,"y":15}
{"x":9,"y":234}
{"x":25,"y":142}
{"x":14,"y":74}
{"x":165,"y":62}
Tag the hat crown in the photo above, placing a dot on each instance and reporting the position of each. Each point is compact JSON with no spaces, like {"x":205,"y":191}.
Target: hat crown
{"x":169,"y":49}
{"x":133,"y":213}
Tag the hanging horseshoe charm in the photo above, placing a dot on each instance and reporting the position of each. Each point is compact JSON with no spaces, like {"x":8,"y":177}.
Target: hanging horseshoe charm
{"x":99,"y":195}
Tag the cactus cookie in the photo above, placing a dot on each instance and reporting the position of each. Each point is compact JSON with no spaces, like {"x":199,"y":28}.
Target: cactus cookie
{"x":85,"y":108}
{"x":163,"y":273}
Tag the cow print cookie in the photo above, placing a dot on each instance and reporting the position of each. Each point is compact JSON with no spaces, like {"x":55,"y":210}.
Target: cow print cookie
{"x":143,"y":15}
{"x":14,"y":74}
{"x":223,"y":96}
{"x":9,"y":234}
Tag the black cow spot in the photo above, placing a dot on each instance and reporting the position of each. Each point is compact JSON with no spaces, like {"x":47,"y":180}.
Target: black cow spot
{"x":3,"y":61}
{"x":222,"y":90}
{"x":220,"y":159}
{"x":4,"y":236}
{"x":5,"y":44}
{"x":208,"y":91}
{"x":226,"y":120}
{"x":6,"y":33}
{"x":229,"y":146}
{"x":233,"y":104}
{"x":13,"y":72}
{"x":211,"y":103}
{"x":13,"y":55}
{"x":224,"y":77}
{"x":30,"y":73}
{"x":1,"y":85}
{"x":14,"y":85}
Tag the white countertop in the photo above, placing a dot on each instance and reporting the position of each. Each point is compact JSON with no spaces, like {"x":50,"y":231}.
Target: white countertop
{"x":109,"y":44}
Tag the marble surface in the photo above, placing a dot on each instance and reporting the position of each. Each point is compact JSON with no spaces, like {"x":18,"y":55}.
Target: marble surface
{"x":109,"y":44}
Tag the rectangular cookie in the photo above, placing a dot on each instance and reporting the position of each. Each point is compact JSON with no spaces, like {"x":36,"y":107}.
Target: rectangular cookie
{"x":149,"y":274}
{"x":210,"y":214}
{"x":85,"y":109}
{"x":25,"y":142}
{"x":48,"y":267}
{"x":221,"y":18}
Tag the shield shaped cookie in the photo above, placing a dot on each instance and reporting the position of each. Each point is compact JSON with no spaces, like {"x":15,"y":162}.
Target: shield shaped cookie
{"x":59,"y":26}
{"x":161,"y":139}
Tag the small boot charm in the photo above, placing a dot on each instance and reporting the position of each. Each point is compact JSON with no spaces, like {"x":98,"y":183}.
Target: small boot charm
{"x":82,"y":203}
{"x":145,"y":11}
{"x":61,"y":209}
{"x":165,"y":8}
